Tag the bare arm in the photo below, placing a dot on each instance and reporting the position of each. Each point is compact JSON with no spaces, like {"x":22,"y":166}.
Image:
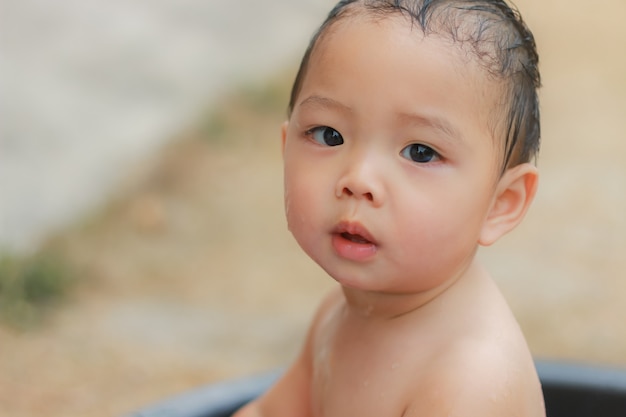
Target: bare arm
{"x":291,"y":395}
{"x":487,"y":386}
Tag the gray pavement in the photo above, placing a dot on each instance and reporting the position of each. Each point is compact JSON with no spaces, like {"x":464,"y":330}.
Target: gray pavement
{"x":90,"y":87}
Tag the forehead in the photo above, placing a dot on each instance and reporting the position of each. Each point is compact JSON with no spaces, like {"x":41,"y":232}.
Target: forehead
{"x":458,"y":30}
{"x":390,"y":58}
{"x":367,"y":31}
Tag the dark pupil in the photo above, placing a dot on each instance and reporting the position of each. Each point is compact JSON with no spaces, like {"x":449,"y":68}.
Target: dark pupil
{"x":332,"y":137}
{"x":421,"y":153}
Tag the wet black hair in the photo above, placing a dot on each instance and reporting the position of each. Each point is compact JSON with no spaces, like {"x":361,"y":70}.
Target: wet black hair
{"x":497,"y":37}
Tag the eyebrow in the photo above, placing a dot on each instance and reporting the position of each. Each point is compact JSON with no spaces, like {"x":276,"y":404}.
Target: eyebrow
{"x":438,"y":123}
{"x":324,"y":103}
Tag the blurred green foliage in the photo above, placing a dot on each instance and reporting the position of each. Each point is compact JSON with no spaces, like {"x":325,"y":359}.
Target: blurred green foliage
{"x":267,"y":98}
{"x":29,"y":285}
{"x":244,"y":106}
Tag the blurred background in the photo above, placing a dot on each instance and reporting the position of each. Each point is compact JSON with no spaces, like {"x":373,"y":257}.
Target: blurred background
{"x":143,"y":249}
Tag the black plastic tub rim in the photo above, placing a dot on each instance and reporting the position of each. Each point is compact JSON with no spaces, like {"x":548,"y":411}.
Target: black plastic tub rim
{"x":570,"y":390}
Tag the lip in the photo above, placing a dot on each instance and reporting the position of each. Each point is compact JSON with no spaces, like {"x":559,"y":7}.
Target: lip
{"x":354,"y":229}
{"x":352,"y":241}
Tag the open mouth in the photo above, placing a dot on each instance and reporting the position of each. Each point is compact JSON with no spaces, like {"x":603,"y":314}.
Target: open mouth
{"x":354,"y":232}
{"x":352,"y":241}
{"x":355,"y":238}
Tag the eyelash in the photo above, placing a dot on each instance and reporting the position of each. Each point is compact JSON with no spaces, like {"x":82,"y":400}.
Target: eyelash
{"x":415,"y":152}
{"x":335,"y":140}
{"x":421,"y":154}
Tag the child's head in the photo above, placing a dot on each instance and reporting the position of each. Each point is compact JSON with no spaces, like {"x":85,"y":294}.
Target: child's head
{"x":495,"y":36}
{"x":410,"y":127}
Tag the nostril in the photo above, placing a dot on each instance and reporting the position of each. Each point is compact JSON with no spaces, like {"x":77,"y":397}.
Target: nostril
{"x":367,"y":195}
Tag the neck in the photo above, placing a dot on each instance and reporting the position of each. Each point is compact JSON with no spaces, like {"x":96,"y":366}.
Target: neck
{"x":387,"y":305}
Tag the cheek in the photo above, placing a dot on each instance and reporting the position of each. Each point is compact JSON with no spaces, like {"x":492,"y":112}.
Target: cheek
{"x":294,"y":205}
{"x":439,"y":230}
{"x":300,"y":198}
{"x":305,"y":212}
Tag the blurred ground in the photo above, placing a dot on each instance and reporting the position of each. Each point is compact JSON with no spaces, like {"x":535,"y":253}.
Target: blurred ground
{"x":190,"y":276}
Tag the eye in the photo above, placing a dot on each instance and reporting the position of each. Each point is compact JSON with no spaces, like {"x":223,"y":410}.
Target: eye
{"x":420,"y":153}
{"x":325,"y":135}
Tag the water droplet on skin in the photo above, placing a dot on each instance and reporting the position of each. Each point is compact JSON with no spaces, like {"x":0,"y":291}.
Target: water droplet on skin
{"x":368,"y":310}
{"x":395,"y":365}
{"x":366,"y":383}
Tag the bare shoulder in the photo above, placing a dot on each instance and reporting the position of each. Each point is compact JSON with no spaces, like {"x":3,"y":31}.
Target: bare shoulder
{"x":478,"y":375}
{"x":485,"y":383}
{"x":481,"y":366}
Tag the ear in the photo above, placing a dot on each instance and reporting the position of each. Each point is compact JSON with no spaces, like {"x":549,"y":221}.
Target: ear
{"x":514,"y":194}
{"x":283,"y":132}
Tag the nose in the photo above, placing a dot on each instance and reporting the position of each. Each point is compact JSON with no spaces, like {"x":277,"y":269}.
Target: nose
{"x":347,"y":191}
{"x":361,"y":179}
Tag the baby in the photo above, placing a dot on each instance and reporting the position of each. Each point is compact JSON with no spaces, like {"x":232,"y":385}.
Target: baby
{"x":412,"y":127}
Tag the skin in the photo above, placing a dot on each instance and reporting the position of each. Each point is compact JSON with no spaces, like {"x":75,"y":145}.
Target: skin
{"x":395,"y":213}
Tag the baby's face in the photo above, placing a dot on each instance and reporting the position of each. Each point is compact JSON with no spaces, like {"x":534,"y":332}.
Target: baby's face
{"x":390,"y":167}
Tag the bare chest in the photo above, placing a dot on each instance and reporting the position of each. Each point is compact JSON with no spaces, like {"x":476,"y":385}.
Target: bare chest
{"x":354,"y":374}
